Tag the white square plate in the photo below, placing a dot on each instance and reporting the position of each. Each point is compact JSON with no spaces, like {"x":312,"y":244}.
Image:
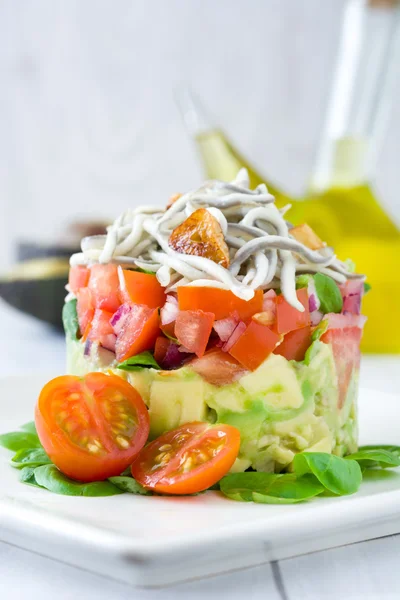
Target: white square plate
{"x":156,"y":540}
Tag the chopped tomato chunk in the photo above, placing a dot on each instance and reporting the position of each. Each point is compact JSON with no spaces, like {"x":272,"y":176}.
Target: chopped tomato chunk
{"x":161,"y":348}
{"x":104,"y":285}
{"x":295,"y":344}
{"x":220,"y":302}
{"x":78,"y":278}
{"x":84,"y":308}
{"x":138,"y":333}
{"x":218,"y":367}
{"x":101,"y":330}
{"x":140,"y":288}
{"x":193,"y":329}
{"x":289,"y":318}
{"x":254,"y":345}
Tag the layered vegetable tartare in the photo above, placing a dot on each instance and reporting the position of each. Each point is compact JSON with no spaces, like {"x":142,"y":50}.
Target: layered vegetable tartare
{"x":218,"y":311}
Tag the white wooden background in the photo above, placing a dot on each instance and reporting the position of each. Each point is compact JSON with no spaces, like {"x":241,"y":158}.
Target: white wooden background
{"x":88,"y":123}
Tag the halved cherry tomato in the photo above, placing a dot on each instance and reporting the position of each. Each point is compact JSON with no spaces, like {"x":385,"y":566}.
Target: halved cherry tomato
{"x":101,"y":330}
{"x":187,"y":460}
{"x":140,"y":288}
{"x":193,"y":329}
{"x":84,"y":308}
{"x":104,"y":285}
{"x":295,"y":344}
{"x":138,"y":333}
{"x":217,"y":367}
{"x":289,"y":318}
{"x":344,"y":334}
{"x":161,"y":347}
{"x":254,"y":345}
{"x":91,"y":427}
{"x":220,"y":302}
{"x":78,"y":278}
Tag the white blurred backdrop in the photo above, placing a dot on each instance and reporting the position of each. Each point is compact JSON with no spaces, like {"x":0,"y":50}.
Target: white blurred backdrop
{"x":87,"y":115}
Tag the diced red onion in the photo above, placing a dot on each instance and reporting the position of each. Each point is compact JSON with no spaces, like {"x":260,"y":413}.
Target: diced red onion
{"x":316,"y":317}
{"x":341,"y":321}
{"x":239,"y":329}
{"x":225,"y":327}
{"x":108,"y":341}
{"x":352,"y":304}
{"x":105,"y":357}
{"x":118,"y":319}
{"x":169,"y":311}
{"x":312,"y":303}
{"x":88,"y":347}
{"x":269,"y":303}
{"x":173,"y":357}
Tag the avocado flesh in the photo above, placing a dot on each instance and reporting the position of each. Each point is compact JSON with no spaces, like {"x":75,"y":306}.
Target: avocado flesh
{"x":281,"y":408}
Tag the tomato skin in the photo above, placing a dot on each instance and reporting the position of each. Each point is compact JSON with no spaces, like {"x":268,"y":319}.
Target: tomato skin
{"x":289,"y":318}
{"x":104,"y":285}
{"x":193,"y":329}
{"x":161,"y":348}
{"x":78,"y":278}
{"x":85,"y":309}
{"x":140,"y":288}
{"x":221,"y":303}
{"x":295,"y":344}
{"x":71,"y":414}
{"x":139,"y":332}
{"x":192,"y":441}
{"x":254,"y":345}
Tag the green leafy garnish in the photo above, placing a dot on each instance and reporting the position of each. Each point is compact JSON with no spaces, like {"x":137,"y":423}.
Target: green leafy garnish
{"x":140,"y":270}
{"x":270,"y":488}
{"x":29,"y":427}
{"x":367,"y":287}
{"x":130,"y":485}
{"x":328,"y":293}
{"x":378,"y":457}
{"x":350,"y":265}
{"x":27,"y":475}
{"x":338,"y":475}
{"x":319,"y":330}
{"x":302,"y":281}
{"x":144,"y":360}
{"x":17,"y":440}
{"x":70,"y":319}
{"x":30,"y":457}
{"x":49,"y":477}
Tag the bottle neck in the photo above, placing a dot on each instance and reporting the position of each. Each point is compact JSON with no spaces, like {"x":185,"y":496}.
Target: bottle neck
{"x":361,"y":94}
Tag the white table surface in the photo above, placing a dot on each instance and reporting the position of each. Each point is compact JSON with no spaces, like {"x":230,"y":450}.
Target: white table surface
{"x":366,"y":571}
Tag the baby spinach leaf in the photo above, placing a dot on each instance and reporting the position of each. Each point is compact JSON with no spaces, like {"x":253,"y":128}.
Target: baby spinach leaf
{"x":49,"y":477}
{"x":27,"y":475}
{"x":130,"y":485}
{"x":338,"y":475}
{"x":367,"y":287}
{"x":16,"y":440}
{"x":389,"y":447}
{"x":70,"y":319}
{"x":372,"y":458}
{"x":328,"y":293}
{"x":30,"y":457}
{"x":144,"y":360}
{"x":29,"y":427}
{"x":270,"y":488}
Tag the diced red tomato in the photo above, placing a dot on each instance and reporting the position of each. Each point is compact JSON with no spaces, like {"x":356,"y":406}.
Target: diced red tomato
{"x":218,"y":367}
{"x":193,"y":329}
{"x":84,"y":308}
{"x":187,"y":460}
{"x":101,"y":330}
{"x":254,"y":345}
{"x":104,"y":285}
{"x":139,"y":332}
{"x":161,"y":348}
{"x":220,"y":302}
{"x":140,"y":288}
{"x":344,"y":334}
{"x":295,"y":344}
{"x":91,"y":427}
{"x":289,"y":318}
{"x":78,"y":278}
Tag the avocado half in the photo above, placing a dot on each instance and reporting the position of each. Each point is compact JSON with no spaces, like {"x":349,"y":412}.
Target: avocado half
{"x":37,"y":288}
